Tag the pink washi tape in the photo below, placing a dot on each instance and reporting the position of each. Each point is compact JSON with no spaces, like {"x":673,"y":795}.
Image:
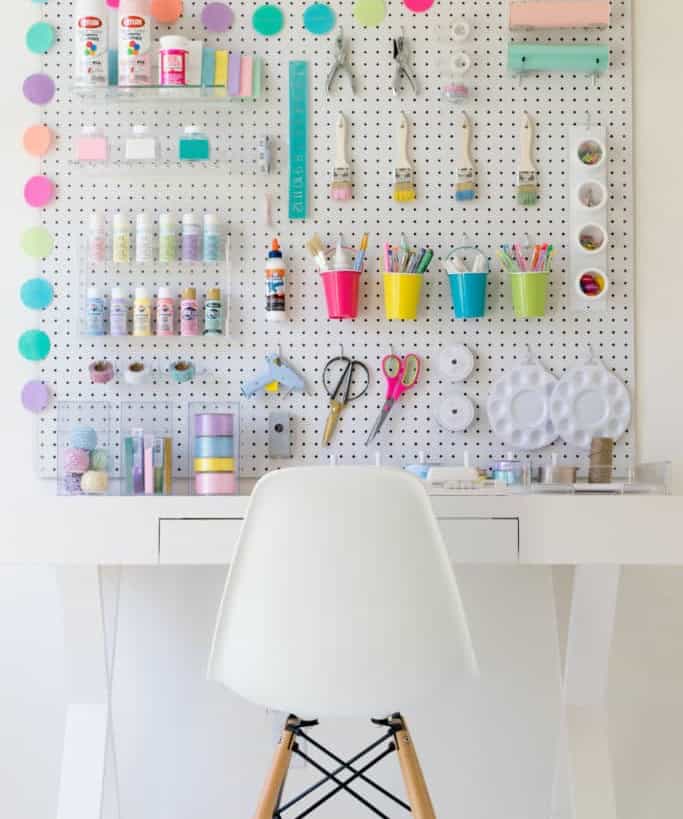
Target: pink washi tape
{"x":215,"y":483}
{"x":75,"y":461}
{"x":213,"y":423}
{"x":101,"y":372}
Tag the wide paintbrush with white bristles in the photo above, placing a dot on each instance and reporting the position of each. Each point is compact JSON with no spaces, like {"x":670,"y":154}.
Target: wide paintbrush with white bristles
{"x":341,"y":188}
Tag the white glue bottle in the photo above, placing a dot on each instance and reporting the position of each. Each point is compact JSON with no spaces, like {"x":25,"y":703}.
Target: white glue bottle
{"x":135,"y":42}
{"x":275,"y":284}
{"x":90,"y":43}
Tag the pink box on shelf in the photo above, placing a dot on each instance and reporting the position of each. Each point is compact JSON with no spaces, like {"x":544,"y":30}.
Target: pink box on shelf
{"x":91,"y":146}
{"x":559,"y":14}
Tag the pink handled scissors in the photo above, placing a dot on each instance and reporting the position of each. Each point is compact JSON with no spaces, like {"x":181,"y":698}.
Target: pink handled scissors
{"x":401,"y":375}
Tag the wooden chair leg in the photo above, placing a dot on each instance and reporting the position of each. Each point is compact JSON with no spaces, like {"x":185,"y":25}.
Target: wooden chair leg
{"x":416,"y":787}
{"x":278,"y":773}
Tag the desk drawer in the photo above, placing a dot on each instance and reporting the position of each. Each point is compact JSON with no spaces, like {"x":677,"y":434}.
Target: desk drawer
{"x":212,"y":541}
{"x":198,"y":541}
{"x":481,"y":540}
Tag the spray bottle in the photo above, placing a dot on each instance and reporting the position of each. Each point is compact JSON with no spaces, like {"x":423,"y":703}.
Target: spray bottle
{"x":135,"y":42}
{"x":275,"y":284}
{"x":90,"y":40}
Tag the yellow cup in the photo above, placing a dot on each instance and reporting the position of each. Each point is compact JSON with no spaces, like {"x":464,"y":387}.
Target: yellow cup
{"x":402,"y":295}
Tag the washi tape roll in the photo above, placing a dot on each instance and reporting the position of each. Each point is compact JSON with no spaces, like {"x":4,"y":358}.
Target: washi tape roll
{"x":72,"y":484}
{"x":215,"y":483}
{"x":83,"y":437}
{"x":99,"y":460}
{"x":213,"y":423}
{"x":214,"y":464}
{"x":182,"y":371}
{"x":95,"y":483}
{"x":214,"y":447}
{"x":136,"y":374}
{"x":101,"y":372}
{"x":75,"y":461}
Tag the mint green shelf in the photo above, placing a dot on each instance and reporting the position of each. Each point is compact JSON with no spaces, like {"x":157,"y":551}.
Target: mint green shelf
{"x":572,"y":59}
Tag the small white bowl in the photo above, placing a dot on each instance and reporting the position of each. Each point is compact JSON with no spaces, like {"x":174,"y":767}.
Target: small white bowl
{"x":596,"y":233}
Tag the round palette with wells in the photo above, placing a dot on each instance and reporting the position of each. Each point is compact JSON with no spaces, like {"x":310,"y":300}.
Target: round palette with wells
{"x":519,"y":407}
{"x":590,"y":402}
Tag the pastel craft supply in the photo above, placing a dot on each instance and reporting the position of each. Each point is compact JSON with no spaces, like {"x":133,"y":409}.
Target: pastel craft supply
{"x":149,"y":469}
{"x":39,"y":191}
{"x":298,"y":139}
{"x":166,"y":11}
{"x":95,"y":483}
{"x":418,"y":6}
{"x":319,"y":19}
{"x":99,"y":460}
{"x":588,"y":58}
{"x":217,"y":17}
{"x":257,"y":77}
{"x":215,"y":483}
{"x":101,"y":372}
{"x":37,"y":242}
{"x":113,"y":63}
{"x":221,"y":70}
{"x":246,"y":75}
{"x":40,"y":38}
{"x":234,"y":68}
{"x":91,"y":146}
{"x":72,"y":485}
{"x":83,"y":437}
{"x":75,"y":461}
{"x":369,"y":13}
{"x":39,"y":89}
{"x":214,"y":446}
{"x":268,"y":20}
{"x":182,"y":371}
{"x":559,"y":14}
{"x":35,"y":396}
{"x":195,"y":56}
{"x":213,"y":423}
{"x":34,"y":345}
{"x":208,"y":66}
{"x":214,"y":465}
{"x":37,"y":140}
{"x":36,"y":293}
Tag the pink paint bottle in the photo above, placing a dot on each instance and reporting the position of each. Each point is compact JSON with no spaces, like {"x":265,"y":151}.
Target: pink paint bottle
{"x":189,"y":313}
{"x":165,"y":312}
{"x":173,"y":53}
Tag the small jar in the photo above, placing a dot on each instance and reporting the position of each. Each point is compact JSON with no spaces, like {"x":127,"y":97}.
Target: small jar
{"x":141,"y":145}
{"x":193,"y":145}
{"x":509,"y":472}
{"x":173,"y":51}
{"x":92,"y":146}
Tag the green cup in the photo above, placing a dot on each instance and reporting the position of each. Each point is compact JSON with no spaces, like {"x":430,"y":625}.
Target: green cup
{"x":529,"y":291}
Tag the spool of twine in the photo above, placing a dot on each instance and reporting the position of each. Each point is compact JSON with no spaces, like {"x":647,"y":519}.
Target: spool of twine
{"x":600,"y":470}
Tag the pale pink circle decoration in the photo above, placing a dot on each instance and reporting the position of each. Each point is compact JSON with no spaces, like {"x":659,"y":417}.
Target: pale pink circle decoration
{"x":418,"y":6}
{"x":39,"y":191}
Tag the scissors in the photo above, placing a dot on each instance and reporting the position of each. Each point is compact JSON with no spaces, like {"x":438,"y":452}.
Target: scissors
{"x":341,"y":395}
{"x":341,"y":62}
{"x":403,"y":68}
{"x":401,"y":375}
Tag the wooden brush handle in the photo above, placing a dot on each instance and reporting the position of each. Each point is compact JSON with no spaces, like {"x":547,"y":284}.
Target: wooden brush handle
{"x":526,"y":154}
{"x":465,"y":143}
{"x":341,"y":136}
{"x":403,"y":161}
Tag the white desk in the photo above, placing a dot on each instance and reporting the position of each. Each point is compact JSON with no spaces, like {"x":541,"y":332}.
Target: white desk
{"x":85,"y":537}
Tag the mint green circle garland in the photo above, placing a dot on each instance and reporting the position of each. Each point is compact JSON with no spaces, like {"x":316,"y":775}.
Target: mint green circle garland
{"x":34,"y":345}
{"x":40,"y":38}
{"x":268,"y":20}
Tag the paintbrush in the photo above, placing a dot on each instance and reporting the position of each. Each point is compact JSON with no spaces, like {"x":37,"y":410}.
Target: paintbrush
{"x":341,"y":188}
{"x":404,"y":183}
{"x":317,"y":250}
{"x":527,"y":175}
{"x":465,"y":188}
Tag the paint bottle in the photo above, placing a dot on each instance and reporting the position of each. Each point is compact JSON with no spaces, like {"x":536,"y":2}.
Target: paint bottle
{"x":168,"y":243}
{"x":144,"y":238}
{"x":173,"y":58}
{"x":275,"y":284}
{"x":165,"y":312}
{"x":212,"y":238}
{"x":90,"y":42}
{"x":213,"y":313}
{"x":191,"y":238}
{"x":96,"y":241}
{"x":135,"y":41}
{"x":121,"y":240}
{"x":189,"y":313}
{"x":94,"y":313}
{"x":118,"y":313}
{"x":142,"y":313}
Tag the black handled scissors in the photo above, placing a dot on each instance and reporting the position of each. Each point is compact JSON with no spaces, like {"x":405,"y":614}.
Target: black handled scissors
{"x":342,"y":395}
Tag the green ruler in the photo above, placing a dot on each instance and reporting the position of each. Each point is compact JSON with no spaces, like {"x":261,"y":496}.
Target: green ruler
{"x":298,"y":139}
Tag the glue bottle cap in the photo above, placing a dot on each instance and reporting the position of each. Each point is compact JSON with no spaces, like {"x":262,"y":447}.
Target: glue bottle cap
{"x":275,"y":253}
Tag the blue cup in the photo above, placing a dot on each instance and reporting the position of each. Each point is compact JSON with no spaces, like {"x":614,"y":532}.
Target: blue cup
{"x":468,"y":291}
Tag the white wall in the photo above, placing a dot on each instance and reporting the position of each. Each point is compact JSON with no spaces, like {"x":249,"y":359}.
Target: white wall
{"x":492,"y":746}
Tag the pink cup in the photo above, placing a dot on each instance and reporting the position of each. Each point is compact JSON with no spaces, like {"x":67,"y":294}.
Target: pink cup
{"x":341,"y":293}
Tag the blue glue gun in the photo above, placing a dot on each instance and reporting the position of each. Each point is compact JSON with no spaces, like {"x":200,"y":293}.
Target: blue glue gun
{"x":276,"y":371}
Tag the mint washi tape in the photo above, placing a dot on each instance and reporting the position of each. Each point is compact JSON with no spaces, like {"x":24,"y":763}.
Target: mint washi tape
{"x":298,"y":139}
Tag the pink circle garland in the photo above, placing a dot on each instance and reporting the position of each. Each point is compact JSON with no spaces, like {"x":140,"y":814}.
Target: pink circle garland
{"x":39,"y":191}
{"x":418,"y":6}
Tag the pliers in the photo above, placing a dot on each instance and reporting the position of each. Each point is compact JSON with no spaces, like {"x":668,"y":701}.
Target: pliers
{"x":403,"y":68}
{"x":341,"y":62}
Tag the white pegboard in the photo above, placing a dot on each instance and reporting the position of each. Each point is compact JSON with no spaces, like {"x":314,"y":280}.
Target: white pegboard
{"x":308,"y":339}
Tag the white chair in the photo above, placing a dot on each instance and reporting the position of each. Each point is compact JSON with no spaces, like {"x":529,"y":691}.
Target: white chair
{"x":341,"y":600}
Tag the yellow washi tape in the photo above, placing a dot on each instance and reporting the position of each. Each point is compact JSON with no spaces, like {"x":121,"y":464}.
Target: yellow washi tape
{"x":214,"y":464}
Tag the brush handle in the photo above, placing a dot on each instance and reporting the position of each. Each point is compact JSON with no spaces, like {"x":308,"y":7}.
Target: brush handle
{"x":465,"y":145}
{"x":403,"y":161}
{"x":341,"y":133}
{"x":526,"y":159}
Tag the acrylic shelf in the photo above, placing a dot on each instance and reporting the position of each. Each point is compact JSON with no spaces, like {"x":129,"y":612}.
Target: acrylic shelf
{"x":162,"y":94}
{"x":155,"y":168}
